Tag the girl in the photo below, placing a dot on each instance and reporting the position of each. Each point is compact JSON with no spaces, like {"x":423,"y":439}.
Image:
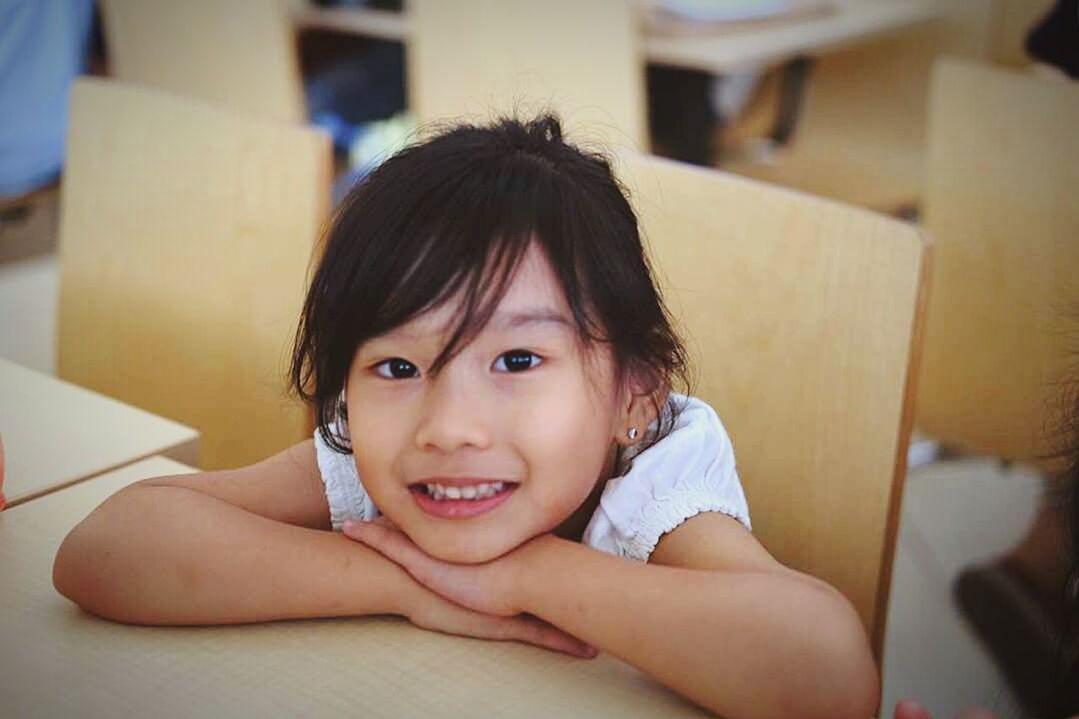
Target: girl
{"x":491,"y":370}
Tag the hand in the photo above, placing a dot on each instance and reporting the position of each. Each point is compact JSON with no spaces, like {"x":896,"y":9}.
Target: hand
{"x":912,"y":710}
{"x":444,"y":587}
{"x":430,"y":611}
{"x":489,"y":588}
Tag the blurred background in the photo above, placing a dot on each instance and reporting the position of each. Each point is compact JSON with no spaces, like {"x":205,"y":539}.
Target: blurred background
{"x":960,"y":116}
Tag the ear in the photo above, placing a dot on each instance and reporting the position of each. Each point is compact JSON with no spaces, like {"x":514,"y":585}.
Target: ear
{"x":639,"y":401}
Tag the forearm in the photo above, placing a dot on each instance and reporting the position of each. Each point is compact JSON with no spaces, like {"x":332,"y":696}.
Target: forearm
{"x":741,"y":644}
{"x":171,"y":555}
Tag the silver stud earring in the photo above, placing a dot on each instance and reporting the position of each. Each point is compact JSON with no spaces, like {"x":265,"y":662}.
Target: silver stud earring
{"x":632,"y":433}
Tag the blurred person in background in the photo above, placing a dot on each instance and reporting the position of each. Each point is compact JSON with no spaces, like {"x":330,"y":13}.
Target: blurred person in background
{"x":1054,"y":42}
{"x":43,"y":47}
{"x":1025,"y":606}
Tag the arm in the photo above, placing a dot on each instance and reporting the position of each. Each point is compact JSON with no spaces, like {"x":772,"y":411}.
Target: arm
{"x":221,"y":548}
{"x":249,"y":545}
{"x":713,"y":617}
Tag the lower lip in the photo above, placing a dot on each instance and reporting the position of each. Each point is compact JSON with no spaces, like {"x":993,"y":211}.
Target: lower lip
{"x":459,"y":508}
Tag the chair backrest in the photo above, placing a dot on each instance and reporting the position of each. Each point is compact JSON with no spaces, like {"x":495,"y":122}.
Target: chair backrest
{"x":239,"y":54}
{"x":1002,"y":176}
{"x":478,"y":58}
{"x":803,"y":319}
{"x":186,"y":233}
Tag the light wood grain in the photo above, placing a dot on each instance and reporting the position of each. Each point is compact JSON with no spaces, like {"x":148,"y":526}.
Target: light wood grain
{"x":186,"y":234}
{"x":861,"y":136}
{"x":478,"y":58}
{"x":1003,"y":322}
{"x":802,"y":317}
{"x":72,"y":664}
{"x":240,"y":54}
{"x":56,"y":434}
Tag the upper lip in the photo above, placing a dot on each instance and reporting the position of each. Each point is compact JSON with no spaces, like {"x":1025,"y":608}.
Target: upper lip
{"x":462,"y":481}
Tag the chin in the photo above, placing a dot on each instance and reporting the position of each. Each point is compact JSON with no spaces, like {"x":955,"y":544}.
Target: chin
{"x":467,"y":550}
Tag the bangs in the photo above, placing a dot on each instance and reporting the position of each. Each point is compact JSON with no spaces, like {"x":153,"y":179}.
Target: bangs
{"x":470,"y":253}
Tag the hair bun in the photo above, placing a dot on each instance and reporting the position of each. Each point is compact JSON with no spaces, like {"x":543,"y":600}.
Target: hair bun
{"x":546,"y":127}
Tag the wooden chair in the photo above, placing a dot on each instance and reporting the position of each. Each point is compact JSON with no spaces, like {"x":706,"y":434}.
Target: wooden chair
{"x":1004,"y":307}
{"x":185,"y":238}
{"x":477,"y":58}
{"x":803,"y":318}
{"x":240,"y":54}
{"x":861,"y":137}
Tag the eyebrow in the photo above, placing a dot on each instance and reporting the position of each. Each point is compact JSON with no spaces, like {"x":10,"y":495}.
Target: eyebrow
{"x":523,"y":318}
{"x":500,"y":320}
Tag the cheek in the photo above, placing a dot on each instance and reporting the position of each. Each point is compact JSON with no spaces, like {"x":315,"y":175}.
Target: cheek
{"x":378,"y":438}
{"x":567,"y":448}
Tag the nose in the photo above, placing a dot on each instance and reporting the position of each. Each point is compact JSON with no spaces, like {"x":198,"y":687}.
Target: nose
{"x":453,"y":416}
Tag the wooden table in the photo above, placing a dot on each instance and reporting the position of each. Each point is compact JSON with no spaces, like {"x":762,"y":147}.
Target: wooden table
{"x":56,"y":434}
{"x":63,"y":662}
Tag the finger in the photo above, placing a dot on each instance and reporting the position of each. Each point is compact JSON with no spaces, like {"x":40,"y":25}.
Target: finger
{"x":539,"y":633}
{"x":440,"y":577}
{"x":395,"y":546}
{"x":911,"y":710}
{"x":384,"y":521}
{"x":976,"y":713}
{"x":452,"y":619}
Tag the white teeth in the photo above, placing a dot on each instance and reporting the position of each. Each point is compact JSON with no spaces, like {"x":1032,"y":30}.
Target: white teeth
{"x":478,"y":491}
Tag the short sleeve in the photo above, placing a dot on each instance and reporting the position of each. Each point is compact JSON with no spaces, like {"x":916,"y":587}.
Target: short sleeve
{"x":344,"y":491}
{"x":688,"y":472}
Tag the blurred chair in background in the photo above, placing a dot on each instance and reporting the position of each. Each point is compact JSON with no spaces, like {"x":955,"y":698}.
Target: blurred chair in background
{"x":803,"y":320}
{"x":1003,"y":168}
{"x":245,"y":55}
{"x":477,"y":58}
{"x":239,"y":54}
{"x":861,"y":136}
{"x":186,"y":233}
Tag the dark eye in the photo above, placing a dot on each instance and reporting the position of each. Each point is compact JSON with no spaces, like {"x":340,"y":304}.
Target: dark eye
{"x":397,"y":368}
{"x":517,"y":361}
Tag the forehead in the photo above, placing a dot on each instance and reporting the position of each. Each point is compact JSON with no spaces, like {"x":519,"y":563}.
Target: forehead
{"x":534,"y":296}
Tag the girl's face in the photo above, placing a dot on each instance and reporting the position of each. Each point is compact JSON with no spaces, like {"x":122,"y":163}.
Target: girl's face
{"x":505,"y":442}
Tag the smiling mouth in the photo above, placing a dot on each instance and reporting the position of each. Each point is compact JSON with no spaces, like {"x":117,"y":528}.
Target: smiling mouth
{"x":458,"y":492}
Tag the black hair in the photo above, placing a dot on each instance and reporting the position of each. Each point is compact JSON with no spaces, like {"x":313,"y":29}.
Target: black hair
{"x":453,"y":217}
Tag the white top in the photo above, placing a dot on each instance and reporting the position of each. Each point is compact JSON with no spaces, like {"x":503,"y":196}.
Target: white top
{"x":689,"y":471}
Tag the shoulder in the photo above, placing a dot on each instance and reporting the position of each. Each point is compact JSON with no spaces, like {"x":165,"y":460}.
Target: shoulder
{"x":345,"y":494}
{"x":688,"y":472}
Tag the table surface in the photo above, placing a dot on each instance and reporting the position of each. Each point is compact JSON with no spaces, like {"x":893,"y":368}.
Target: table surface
{"x":750,"y":45}
{"x":728,"y":48}
{"x":56,"y":433}
{"x":68,"y":663}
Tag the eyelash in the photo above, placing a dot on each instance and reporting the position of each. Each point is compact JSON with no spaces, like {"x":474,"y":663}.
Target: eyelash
{"x":384,"y":368}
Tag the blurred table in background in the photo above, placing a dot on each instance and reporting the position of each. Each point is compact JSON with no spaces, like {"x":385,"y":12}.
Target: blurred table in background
{"x":808,"y":29}
{"x":56,"y":433}
{"x":72,"y":664}
{"x":683,"y":55}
